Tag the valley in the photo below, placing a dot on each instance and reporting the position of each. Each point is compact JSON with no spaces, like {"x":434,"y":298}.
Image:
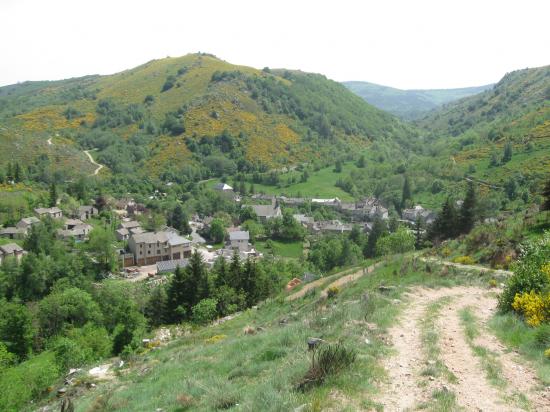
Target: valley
{"x":191,"y":234}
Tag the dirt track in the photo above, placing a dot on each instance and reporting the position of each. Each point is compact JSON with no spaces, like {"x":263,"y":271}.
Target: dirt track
{"x":407,"y":388}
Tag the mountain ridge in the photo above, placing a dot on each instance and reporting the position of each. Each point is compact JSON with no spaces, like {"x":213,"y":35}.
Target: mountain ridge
{"x":409,"y":104}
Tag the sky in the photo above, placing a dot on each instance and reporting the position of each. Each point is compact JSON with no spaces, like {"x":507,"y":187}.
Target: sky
{"x":409,"y":44}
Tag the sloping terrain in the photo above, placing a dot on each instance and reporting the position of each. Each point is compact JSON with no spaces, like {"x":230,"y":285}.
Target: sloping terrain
{"x":420,"y":336}
{"x":409,"y":104}
{"x":443,"y":363}
{"x":195,"y":110}
{"x":474,"y":131}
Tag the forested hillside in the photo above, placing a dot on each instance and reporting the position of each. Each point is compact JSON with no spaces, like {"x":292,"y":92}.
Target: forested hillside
{"x":188,"y":118}
{"x":409,"y":104}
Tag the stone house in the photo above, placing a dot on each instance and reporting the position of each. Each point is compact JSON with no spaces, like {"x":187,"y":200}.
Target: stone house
{"x":86,"y":212}
{"x":151,"y":247}
{"x":53,"y":212}
{"x":11,"y":250}
{"x":238,"y":240}
{"x":266,"y":212}
{"x":12,"y":232}
{"x":27,"y":222}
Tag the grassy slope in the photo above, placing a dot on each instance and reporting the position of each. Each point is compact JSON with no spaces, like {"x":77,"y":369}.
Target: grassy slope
{"x":259,"y":371}
{"x":320,"y":184}
{"x":408,"y":104}
{"x":517,"y":109}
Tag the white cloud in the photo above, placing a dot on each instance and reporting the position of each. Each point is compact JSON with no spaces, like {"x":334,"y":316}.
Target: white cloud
{"x":407,"y":44}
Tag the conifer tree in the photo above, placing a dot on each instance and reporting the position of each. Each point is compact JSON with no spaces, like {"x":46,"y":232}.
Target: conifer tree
{"x":235,"y":272}
{"x":197,"y":270}
{"x":17,"y":173}
{"x":180,"y":221}
{"x":180,"y":292}
{"x":418,"y":238}
{"x":249,"y":282}
{"x":507,"y":156}
{"x":467,"y":211}
{"x":53,"y":195}
{"x":546,"y":195}
{"x":406,"y":195}
{"x":9,"y":172}
{"x":445,"y":226}
{"x":222,"y":272}
{"x":378,"y":229}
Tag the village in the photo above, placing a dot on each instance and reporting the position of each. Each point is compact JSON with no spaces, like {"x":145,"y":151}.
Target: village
{"x":144,"y":254}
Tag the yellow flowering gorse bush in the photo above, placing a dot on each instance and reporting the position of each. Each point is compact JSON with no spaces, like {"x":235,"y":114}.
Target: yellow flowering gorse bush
{"x":535,"y":307}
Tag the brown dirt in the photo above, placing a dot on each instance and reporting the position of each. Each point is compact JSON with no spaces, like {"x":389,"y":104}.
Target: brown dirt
{"x":344,"y":280}
{"x":407,"y":389}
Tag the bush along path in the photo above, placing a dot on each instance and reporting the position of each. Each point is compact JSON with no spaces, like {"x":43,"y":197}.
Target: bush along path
{"x":445,"y":358}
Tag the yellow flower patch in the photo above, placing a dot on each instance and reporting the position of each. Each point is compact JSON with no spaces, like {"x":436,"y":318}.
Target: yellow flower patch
{"x":534,"y":306}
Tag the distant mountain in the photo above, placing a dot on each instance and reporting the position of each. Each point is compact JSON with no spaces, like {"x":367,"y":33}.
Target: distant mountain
{"x":409,"y":104}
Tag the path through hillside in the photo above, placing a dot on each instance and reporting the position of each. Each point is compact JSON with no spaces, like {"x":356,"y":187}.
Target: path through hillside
{"x":410,"y":386}
{"x":99,"y":166}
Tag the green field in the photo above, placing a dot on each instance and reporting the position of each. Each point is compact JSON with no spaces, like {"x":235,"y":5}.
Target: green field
{"x":292,"y":250}
{"x":321,"y":184}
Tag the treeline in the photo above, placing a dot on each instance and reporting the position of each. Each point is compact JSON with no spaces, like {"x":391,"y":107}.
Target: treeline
{"x":332,"y":251}
{"x":198,"y":295}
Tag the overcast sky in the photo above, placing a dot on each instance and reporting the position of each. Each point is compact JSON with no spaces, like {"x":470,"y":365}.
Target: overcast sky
{"x":406,"y":44}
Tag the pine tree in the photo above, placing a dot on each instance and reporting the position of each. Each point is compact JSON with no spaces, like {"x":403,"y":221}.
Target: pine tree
{"x":180,"y":221}
{"x":378,"y":229}
{"x":467,"y":211}
{"x":221,"y":270}
{"x":507,"y":156}
{"x":546,"y":194}
{"x":242,"y":188}
{"x":53,"y":195}
{"x":17,"y":173}
{"x":252,"y":190}
{"x":249,"y":282}
{"x":197,"y":270}
{"x":406,"y":195}
{"x":418,"y":238}
{"x":361,"y":162}
{"x":445,"y":226}
{"x":9,"y":172}
{"x":235,"y":272}
{"x":181,"y":292}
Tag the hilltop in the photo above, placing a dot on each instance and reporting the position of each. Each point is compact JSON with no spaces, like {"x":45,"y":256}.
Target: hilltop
{"x":409,"y":104}
{"x":197,"y":111}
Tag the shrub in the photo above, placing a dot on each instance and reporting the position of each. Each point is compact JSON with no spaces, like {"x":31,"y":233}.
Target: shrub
{"x":464,"y":260}
{"x":530,"y":272}
{"x":535,"y":307}
{"x":330,"y":360}
{"x":332,"y":292}
{"x":205,"y":311}
{"x":215,"y":339}
{"x":169,"y":83}
{"x":26,"y":381}
{"x":542,"y":336}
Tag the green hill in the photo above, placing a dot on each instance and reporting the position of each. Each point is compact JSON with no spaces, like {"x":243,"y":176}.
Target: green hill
{"x":476,"y":130}
{"x":192,"y":115}
{"x":409,"y":104}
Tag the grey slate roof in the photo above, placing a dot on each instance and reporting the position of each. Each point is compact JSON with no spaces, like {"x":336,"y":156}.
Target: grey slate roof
{"x":11,"y":248}
{"x":239,"y":235}
{"x":171,"y":238}
{"x":165,"y":266}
